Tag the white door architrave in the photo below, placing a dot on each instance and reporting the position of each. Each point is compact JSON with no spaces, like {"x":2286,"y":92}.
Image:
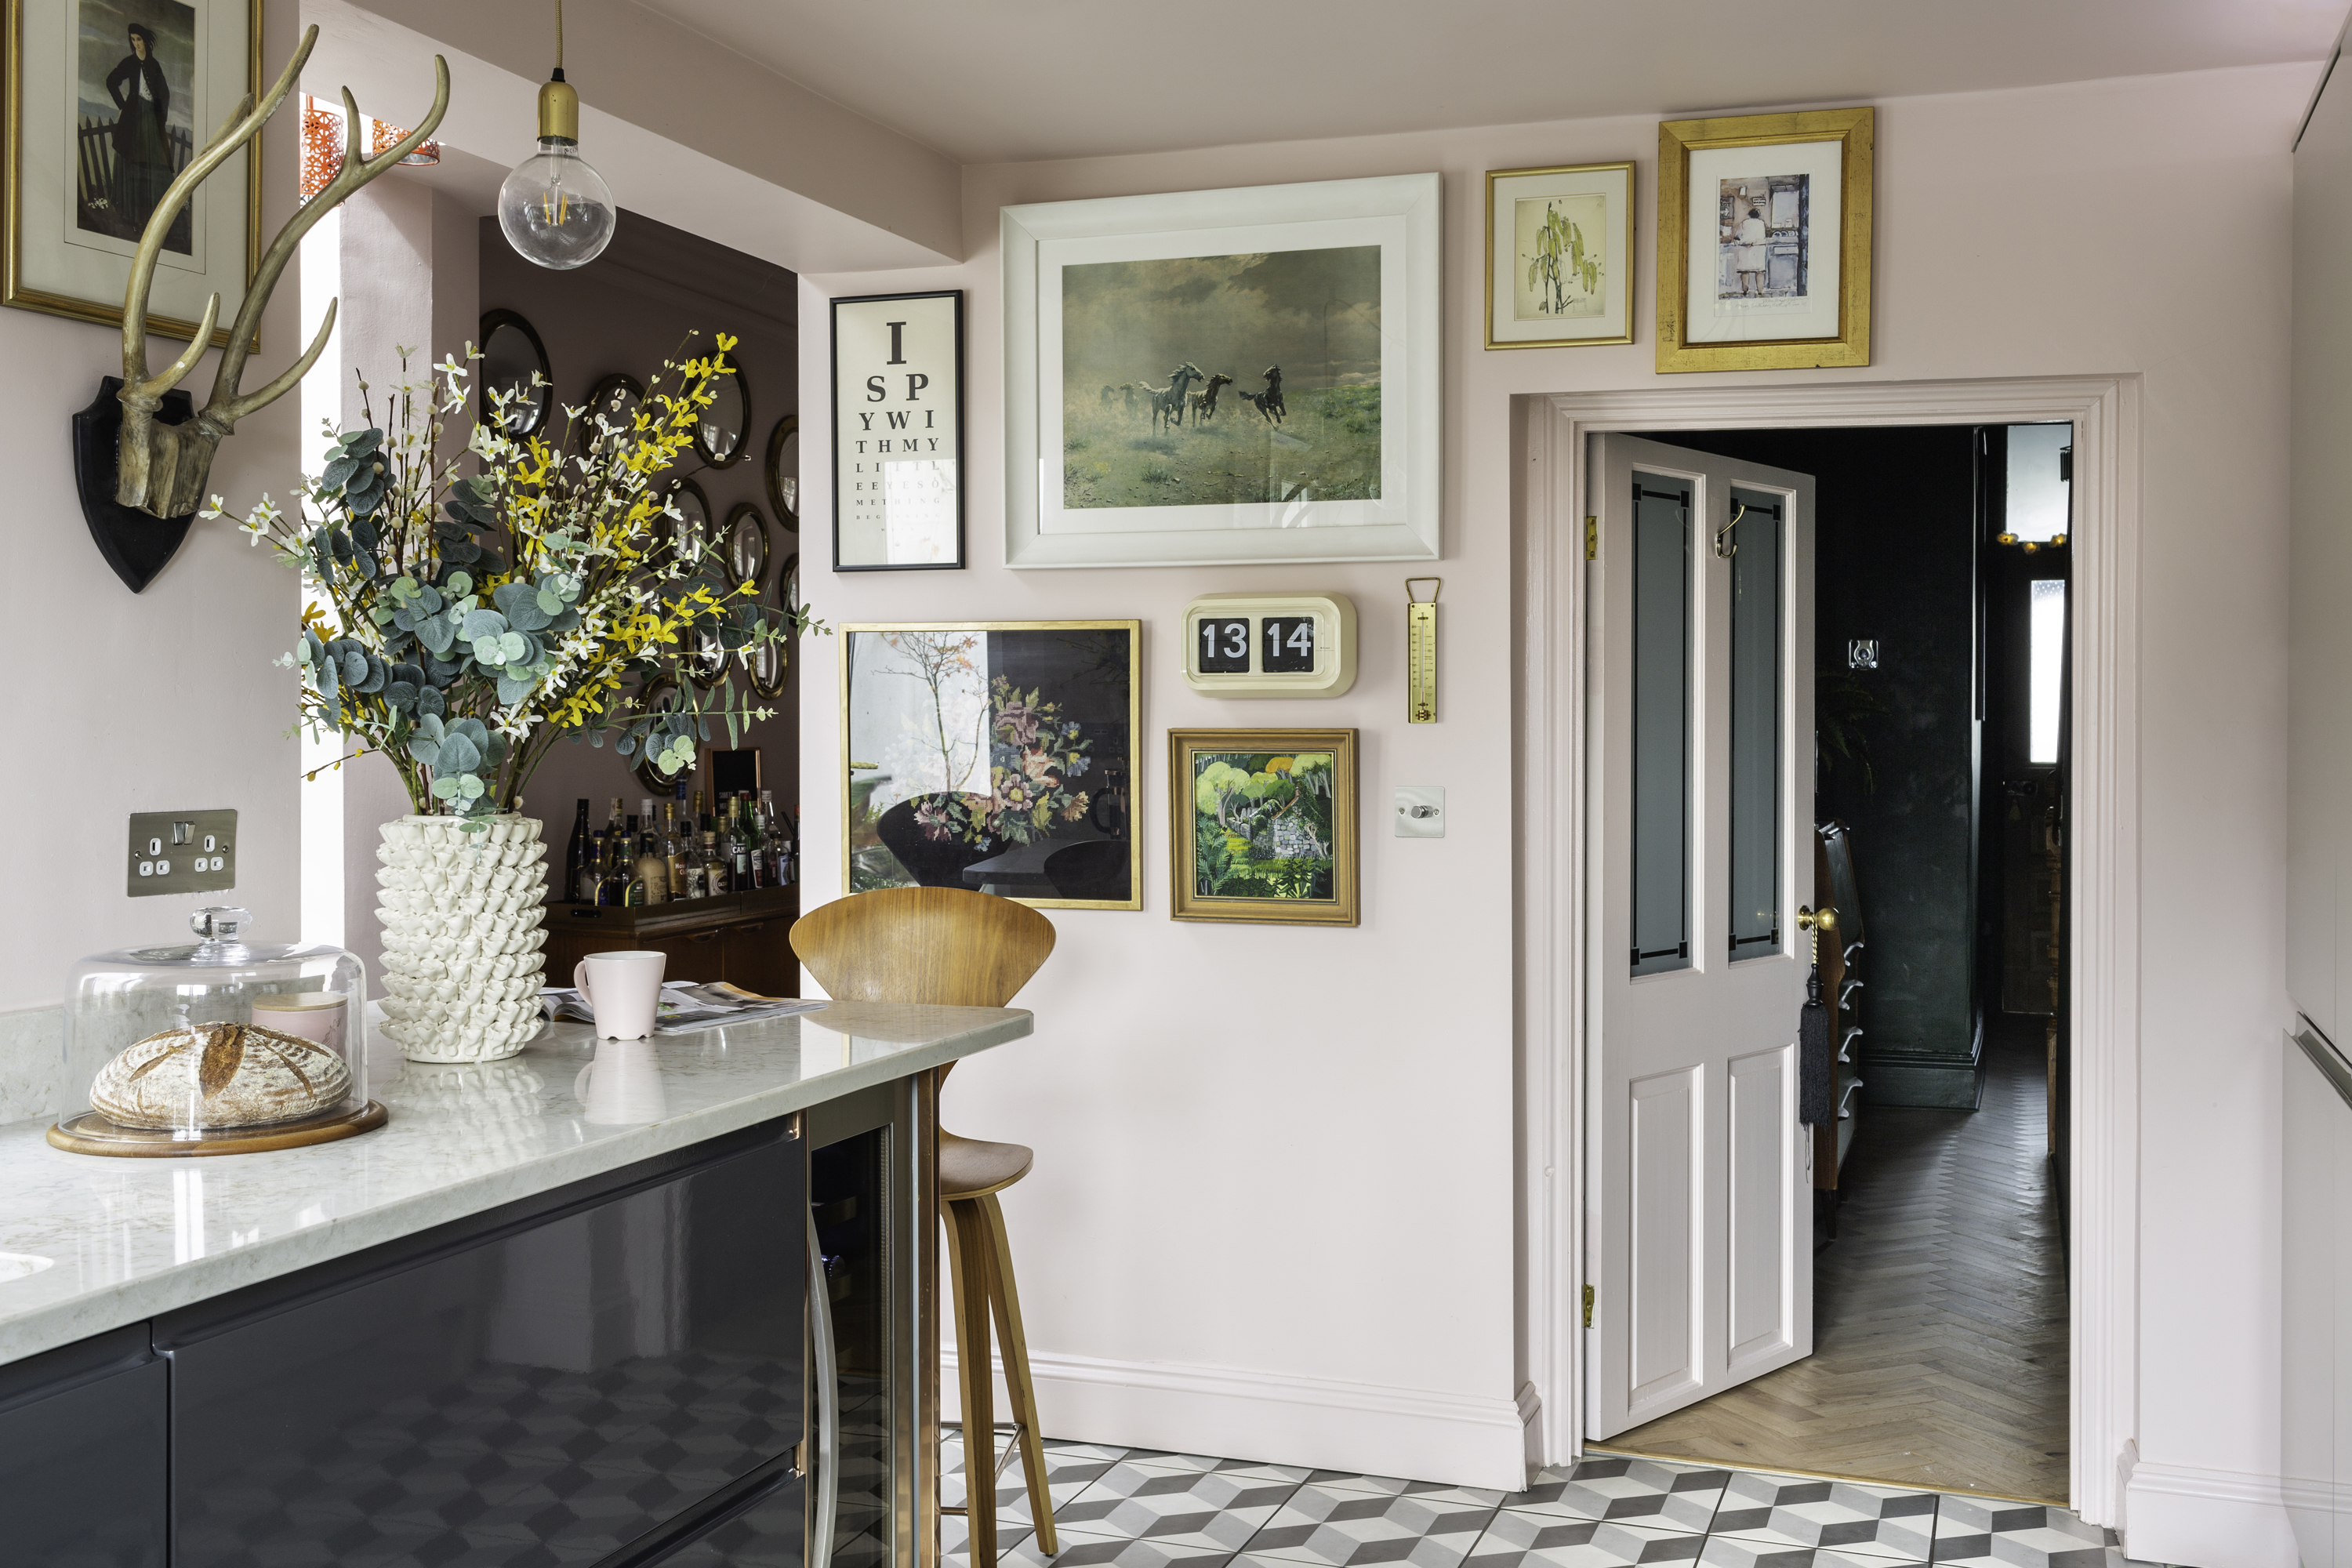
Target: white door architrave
{"x":2104,"y":862}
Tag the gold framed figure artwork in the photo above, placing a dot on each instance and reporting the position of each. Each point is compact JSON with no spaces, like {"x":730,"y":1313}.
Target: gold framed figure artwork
{"x":1764,"y":240}
{"x":106,"y":102}
{"x":1559,"y":256}
{"x":1262,"y":826}
{"x":993,"y":756}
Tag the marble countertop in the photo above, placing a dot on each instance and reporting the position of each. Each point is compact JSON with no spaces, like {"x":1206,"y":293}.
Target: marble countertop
{"x":88,"y":1244}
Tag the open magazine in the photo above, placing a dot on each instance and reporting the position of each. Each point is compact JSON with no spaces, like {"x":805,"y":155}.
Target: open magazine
{"x":685,"y":1006}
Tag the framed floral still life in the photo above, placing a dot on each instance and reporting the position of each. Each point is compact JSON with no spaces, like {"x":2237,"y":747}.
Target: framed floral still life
{"x":1559,"y":256}
{"x":1764,"y":241}
{"x":107,"y":101}
{"x":996,"y":755}
{"x":1223,"y":376}
{"x":1262,"y":826}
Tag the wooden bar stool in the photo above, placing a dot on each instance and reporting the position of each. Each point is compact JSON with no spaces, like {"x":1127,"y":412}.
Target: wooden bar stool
{"x":952,"y":948}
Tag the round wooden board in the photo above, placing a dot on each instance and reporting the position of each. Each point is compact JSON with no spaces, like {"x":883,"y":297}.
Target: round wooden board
{"x":91,"y":1133}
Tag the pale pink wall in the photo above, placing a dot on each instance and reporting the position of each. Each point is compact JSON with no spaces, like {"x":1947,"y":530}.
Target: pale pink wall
{"x":1290,"y":1153}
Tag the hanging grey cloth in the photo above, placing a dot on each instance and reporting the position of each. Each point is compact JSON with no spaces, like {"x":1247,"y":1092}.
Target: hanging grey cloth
{"x":1816,"y":1058}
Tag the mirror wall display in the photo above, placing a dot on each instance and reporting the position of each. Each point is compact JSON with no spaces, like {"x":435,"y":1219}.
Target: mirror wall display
{"x":746,"y":544}
{"x":997,"y":755}
{"x":898,"y":428}
{"x":726,"y":426}
{"x":784,"y":472}
{"x":615,"y":400}
{"x":511,"y":355}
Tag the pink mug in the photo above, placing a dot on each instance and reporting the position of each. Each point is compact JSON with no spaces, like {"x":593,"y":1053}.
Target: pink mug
{"x":623,"y":990}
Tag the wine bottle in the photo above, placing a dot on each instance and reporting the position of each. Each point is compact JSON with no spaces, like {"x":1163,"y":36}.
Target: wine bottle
{"x":576,"y":852}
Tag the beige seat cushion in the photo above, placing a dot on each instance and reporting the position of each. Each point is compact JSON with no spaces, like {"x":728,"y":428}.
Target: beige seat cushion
{"x":969,"y":1166}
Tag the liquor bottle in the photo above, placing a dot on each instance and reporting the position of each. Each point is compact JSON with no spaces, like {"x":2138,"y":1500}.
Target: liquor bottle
{"x":576,"y":852}
{"x":618,"y":869}
{"x":716,"y":871}
{"x":756,"y":869}
{"x":686,"y":881}
{"x":673,"y":852}
{"x":652,"y":867}
{"x":698,"y":821}
{"x":614,"y":823}
{"x":592,"y":870}
{"x":737,"y":847}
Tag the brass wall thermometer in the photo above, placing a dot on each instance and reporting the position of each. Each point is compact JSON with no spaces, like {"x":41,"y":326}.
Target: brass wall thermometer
{"x":1421,"y":652}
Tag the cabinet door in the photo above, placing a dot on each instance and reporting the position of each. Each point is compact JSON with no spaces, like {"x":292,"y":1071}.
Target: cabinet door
{"x":83,"y":1466}
{"x":757,"y":958}
{"x":548,"y":1392}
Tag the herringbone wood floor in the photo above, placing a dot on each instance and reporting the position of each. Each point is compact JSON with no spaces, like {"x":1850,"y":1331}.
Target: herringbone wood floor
{"x":1939,"y":1312}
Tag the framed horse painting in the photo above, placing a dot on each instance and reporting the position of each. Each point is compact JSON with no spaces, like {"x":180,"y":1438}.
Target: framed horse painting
{"x":1222,"y":378}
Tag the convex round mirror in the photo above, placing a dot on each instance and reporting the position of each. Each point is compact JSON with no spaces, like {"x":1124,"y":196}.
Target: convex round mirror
{"x":725,"y":425}
{"x":784,"y":472}
{"x":615,"y":400}
{"x":511,"y":355}
{"x":747,"y":545}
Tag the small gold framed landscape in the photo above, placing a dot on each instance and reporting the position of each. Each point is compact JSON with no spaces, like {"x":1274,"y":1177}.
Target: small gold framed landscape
{"x":993,"y":756}
{"x":105,"y":100}
{"x":1764,"y":240}
{"x":1262,"y":826}
{"x":1559,"y":256}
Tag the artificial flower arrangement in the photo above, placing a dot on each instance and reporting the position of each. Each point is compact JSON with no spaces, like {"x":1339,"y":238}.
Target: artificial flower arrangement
{"x":471,"y":620}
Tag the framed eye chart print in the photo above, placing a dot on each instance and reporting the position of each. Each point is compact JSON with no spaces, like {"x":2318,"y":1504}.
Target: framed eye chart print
{"x":106,"y":102}
{"x":1764,"y":241}
{"x":898,"y":431}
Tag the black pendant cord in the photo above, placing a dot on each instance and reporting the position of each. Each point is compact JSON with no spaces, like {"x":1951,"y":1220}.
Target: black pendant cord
{"x":135,"y":544}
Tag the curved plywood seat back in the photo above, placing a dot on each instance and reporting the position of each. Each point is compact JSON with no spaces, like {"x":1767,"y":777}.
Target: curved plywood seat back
{"x":946,"y":946}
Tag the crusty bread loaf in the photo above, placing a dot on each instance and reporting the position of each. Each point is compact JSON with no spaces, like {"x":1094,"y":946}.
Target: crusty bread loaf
{"x":218,"y":1075}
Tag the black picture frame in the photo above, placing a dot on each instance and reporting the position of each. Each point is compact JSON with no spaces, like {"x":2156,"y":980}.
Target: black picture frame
{"x":492,"y":321}
{"x":743,"y":436}
{"x":843,"y":480}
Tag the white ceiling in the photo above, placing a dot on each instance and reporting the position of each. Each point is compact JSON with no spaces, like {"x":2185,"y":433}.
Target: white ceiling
{"x":1013,"y":81}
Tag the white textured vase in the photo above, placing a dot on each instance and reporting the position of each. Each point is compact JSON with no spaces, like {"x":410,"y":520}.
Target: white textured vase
{"x":462,"y":915}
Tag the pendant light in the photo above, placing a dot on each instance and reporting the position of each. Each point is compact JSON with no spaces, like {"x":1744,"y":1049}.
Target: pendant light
{"x":555,"y":210}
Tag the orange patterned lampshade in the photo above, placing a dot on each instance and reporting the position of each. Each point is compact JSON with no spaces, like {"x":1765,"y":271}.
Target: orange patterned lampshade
{"x":323,"y":144}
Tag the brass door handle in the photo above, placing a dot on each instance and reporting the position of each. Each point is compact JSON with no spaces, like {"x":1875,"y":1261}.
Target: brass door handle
{"x":1824,"y":917}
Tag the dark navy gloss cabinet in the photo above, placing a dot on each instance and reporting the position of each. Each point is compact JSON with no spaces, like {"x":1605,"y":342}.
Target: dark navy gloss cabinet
{"x":583,"y":1378}
{"x":82,"y":1454}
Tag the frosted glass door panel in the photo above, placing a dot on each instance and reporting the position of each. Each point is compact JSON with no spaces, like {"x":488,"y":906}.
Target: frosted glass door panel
{"x":1661,"y":738}
{"x":1758,"y":702}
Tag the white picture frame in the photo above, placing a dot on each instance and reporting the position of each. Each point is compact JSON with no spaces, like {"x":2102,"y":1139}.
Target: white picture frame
{"x":1083,"y":505}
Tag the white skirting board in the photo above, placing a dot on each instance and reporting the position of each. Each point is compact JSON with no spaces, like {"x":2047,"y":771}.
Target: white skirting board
{"x":2206,"y":1519}
{"x":1323,"y":1423}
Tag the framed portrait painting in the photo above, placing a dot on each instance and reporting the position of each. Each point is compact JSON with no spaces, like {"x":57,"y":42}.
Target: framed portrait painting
{"x":106,"y":101}
{"x":1223,"y":376}
{"x":1764,"y":241}
{"x":898,"y":431}
{"x":1262,"y":826}
{"x":995,"y":755}
{"x":1559,"y":256}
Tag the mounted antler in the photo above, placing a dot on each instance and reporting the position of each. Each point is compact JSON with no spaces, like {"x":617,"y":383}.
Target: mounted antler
{"x":160,"y":468}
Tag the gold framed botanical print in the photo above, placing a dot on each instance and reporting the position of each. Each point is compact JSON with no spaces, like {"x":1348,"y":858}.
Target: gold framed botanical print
{"x":1559,"y":256}
{"x":1261,"y":826}
{"x":106,"y":101}
{"x":1764,"y":240}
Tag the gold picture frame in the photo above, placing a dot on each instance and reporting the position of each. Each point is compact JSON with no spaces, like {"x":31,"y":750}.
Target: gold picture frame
{"x":1050,"y":666}
{"x":1741,"y":330}
{"x":1610,"y":318}
{"x":1200,"y":893}
{"x":106,"y":308}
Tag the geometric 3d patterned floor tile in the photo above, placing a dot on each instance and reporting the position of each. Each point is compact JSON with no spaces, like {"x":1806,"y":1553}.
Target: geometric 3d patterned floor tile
{"x":1653,"y":1493}
{"x":1551,"y":1541}
{"x":1331,"y":1528}
{"x":1888,"y":1523}
{"x":1725,"y":1553}
{"x":1207,"y":1509}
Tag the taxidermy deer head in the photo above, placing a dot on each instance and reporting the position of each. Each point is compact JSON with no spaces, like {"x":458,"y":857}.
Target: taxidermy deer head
{"x":159,"y":468}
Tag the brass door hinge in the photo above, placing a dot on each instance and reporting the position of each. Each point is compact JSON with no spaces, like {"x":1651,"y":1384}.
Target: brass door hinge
{"x":800,"y":1458}
{"x":1592,"y":539}
{"x":1587,"y":1306}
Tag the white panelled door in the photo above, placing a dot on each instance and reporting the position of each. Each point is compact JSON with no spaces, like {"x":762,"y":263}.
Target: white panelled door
{"x":1700,"y":1233}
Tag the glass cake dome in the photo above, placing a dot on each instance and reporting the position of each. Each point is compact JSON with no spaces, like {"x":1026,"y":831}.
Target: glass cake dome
{"x":214,"y":1046}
